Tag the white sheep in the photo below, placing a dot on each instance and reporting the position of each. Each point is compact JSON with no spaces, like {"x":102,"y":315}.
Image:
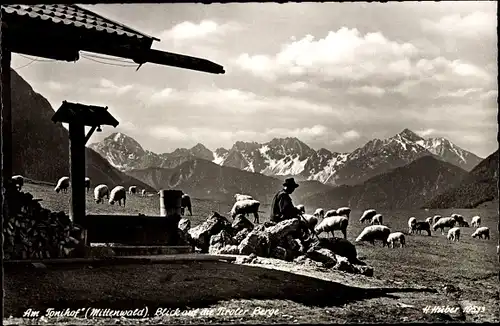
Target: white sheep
{"x":333,"y":223}
{"x":100,"y":192}
{"x":301,"y":208}
{"x":132,"y":189}
{"x":476,"y":221}
{"x":420,"y":226}
{"x":117,"y":195}
{"x":411,"y":224}
{"x":311,"y":220}
{"x":245,"y":207}
{"x":239,"y":197}
{"x":331,"y":212}
{"x":344,"y":211}
{"x":367,"y":215}
{"x":143,"y":192}
{"x":62,"y":185}
{"x":319,"y":213}
{"x":482,"y":231}
{"x":454,"y":234}
{"x":377,"y":219}
{"x":444,"y":222}
{"x":18,"y":181}
{"x":436,"y":218}
{"x":87,"y":183}
{"x":186,"y":203}
{"x":396,"y":237}
{"x":374,"y":232}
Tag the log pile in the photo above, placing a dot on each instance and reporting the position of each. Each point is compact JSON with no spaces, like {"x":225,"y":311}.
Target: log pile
{"x":33,"y":232}
{"x":288,"y":240}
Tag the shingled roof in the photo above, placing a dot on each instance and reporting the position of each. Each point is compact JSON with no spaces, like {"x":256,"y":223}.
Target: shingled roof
{"x":73,"y":15}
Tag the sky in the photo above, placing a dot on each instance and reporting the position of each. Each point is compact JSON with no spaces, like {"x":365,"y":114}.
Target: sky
{"x":334,"y":75}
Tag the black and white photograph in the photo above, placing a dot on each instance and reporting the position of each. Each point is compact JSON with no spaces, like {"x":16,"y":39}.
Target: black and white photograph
{"x":249,"y":163}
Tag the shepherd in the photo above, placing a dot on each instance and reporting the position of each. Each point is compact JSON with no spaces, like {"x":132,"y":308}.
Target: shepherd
{"x":282,"y":207}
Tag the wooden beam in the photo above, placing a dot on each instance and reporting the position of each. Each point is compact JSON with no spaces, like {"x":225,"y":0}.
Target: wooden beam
{"x":91,"y":131}
{"x":77,"y":171}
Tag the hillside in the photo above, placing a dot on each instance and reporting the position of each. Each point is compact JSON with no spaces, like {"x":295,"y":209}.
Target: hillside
{"x":480,"y":186}
{"x":41,"y":148}
{"x":206,"y":180}
{"x":406,"y":187}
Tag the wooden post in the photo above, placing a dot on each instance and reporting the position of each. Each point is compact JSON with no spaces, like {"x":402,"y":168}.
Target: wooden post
{"x":77,"y":171}
{"x":170,"y":207}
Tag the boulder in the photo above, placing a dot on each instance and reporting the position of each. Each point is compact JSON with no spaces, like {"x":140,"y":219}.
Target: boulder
{"x":339,"y":246}
{"x":344,"y":265}
{"x":183,"y":238}
{"x":184,"y":225}
{"x":201,"y":234}
{"x":282,"y":229}
{"x":257,"y":242}
{"x":241,"y":235}
{"x":240,"y":222}
{"x":303,"y":260}
{"x":279,"y":253}
{"x":364,"y":270}
{"x":219,"y":241}
{"x":227,"y":250}
{"x":324,"y":256}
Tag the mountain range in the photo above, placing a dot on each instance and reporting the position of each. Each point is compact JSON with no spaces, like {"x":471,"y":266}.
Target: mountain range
{"x":41,"y":148}
{"x":282,"y":157}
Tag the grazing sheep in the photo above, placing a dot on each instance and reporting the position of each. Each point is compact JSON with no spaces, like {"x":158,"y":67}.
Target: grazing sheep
{"x":319,"y":213}
{"x":87,"y":183}
{"x":367,"y":215}
{"x":333,"y":223}
{"x":62,"y":185}
{"x":377,"y":219}
{"x":454,"y":234}
{"x":100,"y":192}
{"x":132,"y":190}
{"x":411,"y":225}
{"x":374,"y":232}
{"x":482,"y":231}
{"x":311,"y":220}
{"x":18,"y":181}
{"x":239,"y":197}
{"x":464,"y":224}
{"x":117,"y":195}
{"x":396,"y":237}
{"x":186,"y":203}
{"x":344,"y":211}
{"x":444,"y":222}
{"x":476,"y":221}
{"x":429,"y":220}
{"x":301,"y":208}
{"x":143,"y":193}
{"x":422,"y":226}
{"x":245,"y":207}
{"x":331,"y":212}
{"x":458,"y":218}
{"x":436,"y":218}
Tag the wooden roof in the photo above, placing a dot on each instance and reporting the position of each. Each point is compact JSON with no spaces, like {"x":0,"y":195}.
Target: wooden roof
{"x":90,"y":115}
{"x":60,"y":31}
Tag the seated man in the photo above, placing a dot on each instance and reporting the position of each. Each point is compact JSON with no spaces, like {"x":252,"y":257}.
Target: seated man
{"x":282,"y":207}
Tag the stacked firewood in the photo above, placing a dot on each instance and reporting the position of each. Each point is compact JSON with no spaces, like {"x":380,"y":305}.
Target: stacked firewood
{"x":33,"y":232}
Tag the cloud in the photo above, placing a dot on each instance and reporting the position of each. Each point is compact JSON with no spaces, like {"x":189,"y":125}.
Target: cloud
{"x":206,"y":29}
{"x":108,"y":87}
{"x":295,"y":86}
{"x":370,"y":90}
{"x":346,"y":137}
{"x":56,"y":86}
{"x":473,"y":25}
{"x":425,"y":133}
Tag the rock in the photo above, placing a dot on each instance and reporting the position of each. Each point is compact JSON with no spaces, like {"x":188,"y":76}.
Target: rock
{"x":219,"y":241}
{"x":201,"y":234}
{"x":268,"y":224}
{"x":364,"y":270}
{"x":240,"y":222}
{"x":344,"y":265}
{"x":282,"y":229}
{"x":241,"y":235}
{"x":183,"y":238}
{"x":184,"y":225}
{"x":339,"y":246}
{"x":250,"y":259}
{"x":256,"y":242}
{"x":303,"y":260}
{"x":227,"y":250}
{"x":324,"y":256}
{"x":280,"y":253}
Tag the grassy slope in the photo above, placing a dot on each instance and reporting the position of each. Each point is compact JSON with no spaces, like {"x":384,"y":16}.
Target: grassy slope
{"x":427,"y":261}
